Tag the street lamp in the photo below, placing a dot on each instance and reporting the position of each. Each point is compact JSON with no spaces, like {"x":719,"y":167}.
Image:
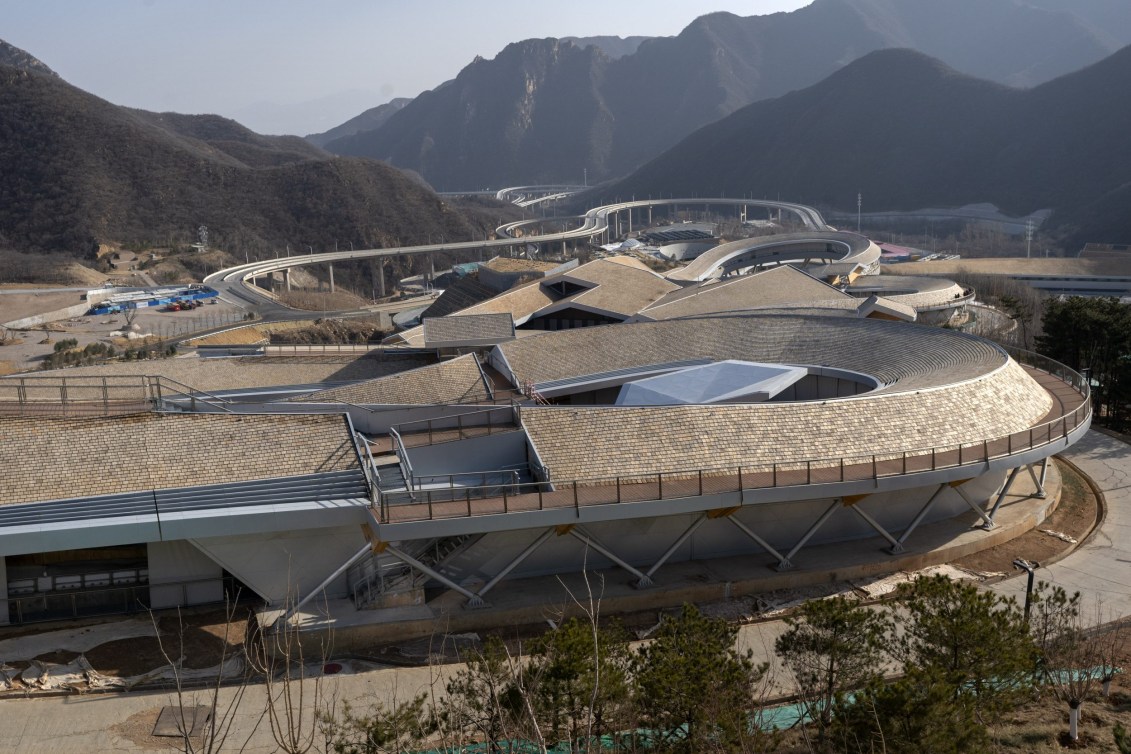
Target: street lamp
{"x":1027,"y":566}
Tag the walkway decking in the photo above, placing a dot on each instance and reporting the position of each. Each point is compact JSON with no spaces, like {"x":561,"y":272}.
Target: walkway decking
{"x":1067,"y":413}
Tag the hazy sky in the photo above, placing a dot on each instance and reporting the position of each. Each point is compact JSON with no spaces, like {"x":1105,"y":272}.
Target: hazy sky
{"x":299,"y":66}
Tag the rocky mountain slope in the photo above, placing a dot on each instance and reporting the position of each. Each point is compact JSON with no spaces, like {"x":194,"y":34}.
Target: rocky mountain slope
{"x":548,"y":110}
{"x":909,"y":132}
{"x":76,"y":171}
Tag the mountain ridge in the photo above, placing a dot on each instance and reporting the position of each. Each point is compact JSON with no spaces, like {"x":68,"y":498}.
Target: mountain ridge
{"x":77,"y":171}
{"x":909,"y":132}
{"x":628,"y":109}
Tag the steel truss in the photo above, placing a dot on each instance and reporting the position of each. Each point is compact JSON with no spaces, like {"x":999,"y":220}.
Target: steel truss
{"x":644,"y":579}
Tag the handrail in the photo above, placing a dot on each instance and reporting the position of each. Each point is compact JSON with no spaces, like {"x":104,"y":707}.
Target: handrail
{"x":369,"y":466}
{"x":692,"y":482}
{"x":443,"y":424}
{"x":402,"y":456}
{"x":510,"y":470}
{"x":192,"y":393}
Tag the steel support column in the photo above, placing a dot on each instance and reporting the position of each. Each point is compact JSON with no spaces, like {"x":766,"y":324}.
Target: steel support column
{"x":786,"y":563}
{"x":1004,"y":491}
{"x":590,"y":542}
{"x":895,"y":544}
{"x":918,"y":518}
{"x":758,"y":540}
{"x":1044,"y":470}
{"x":517,"y":560}
{"x":675,"y":546}
{"x":986,"y":518}
{"x":325,"y":583}
{"x":1038,"y":481}
{"x":474,"y":600}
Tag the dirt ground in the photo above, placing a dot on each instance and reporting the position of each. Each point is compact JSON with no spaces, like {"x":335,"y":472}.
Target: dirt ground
{"x":203,"y":639}
{"x":1075,"y":517}
{"x":1041,"y":727}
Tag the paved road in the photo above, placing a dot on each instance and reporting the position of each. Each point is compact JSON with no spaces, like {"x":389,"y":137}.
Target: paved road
{"x":1101,"y":569}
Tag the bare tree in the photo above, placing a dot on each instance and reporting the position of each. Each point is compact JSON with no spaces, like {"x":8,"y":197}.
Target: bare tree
{"x":1075,"y":661}
{"x":296,"y":701}
{"x":210,"y":700}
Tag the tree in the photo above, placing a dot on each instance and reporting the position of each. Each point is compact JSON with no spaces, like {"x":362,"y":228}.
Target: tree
{"x":692,"y":688}
{"x":832,"y":646}
{"x":915,"y":714}
{"x":294,"y":693}
{"x":974,"y":643}
{"x":220,"y":708}
{"x":381,"y":730}
{"x":580,"y":681}
{"x":484,"y":700}
{"x":1075,"y":662}
{"x":1093,"y":334}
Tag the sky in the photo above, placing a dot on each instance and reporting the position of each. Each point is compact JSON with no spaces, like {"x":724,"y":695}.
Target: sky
{"x":300,"y":66}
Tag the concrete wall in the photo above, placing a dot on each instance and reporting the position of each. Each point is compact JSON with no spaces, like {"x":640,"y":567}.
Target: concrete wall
{"x":37,"y":320}
{"x":642,"y":541}
{"x":277,"y":566}
{"x":487,"y":453}
{"x":179,"y":561}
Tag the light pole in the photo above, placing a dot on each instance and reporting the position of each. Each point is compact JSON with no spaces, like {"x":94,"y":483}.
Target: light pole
{"x":1028,"y":567}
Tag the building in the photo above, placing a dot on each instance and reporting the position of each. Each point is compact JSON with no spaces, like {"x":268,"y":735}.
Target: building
{"x":413,"y":486}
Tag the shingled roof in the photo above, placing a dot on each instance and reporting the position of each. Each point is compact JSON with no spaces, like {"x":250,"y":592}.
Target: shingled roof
{"x":69,"y":458}
{"x":456,"y":381}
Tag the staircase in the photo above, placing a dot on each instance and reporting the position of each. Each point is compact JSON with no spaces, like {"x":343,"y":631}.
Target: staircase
{"x":381,"y":580}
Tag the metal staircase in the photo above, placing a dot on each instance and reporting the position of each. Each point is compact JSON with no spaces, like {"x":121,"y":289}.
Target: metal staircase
{"x":382,"y":577}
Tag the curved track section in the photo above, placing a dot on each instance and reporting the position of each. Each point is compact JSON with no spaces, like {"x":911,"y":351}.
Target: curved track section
{"x":835,"y":246}
{"x":591,"y":224}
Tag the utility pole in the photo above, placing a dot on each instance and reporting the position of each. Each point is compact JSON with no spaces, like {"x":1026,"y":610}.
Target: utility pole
{"x":859,"y":203}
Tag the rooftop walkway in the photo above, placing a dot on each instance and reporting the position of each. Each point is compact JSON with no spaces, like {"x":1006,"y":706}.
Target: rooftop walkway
{"x":1067,"y":414}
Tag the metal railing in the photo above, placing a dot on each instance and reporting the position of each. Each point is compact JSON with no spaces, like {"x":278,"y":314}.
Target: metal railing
{"x":75,"y":396}
{"x":402,"y":457}
{"x":503,"y":477}
{"x":368,"y":465}
{"x":77,"y":581}
{"x":441,"y":429}
{"x":465,"y":502}
{"x":1053,"y":368}
{"x":116,"y":600}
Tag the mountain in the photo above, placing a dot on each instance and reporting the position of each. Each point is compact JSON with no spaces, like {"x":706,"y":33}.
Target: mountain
{"x":909,"y":132}
{"x":614,"y":47}
{"x":76,"y":170}
{"x":547,"y":110}
{"x":531,"y":111}
{"x":372,"y":118}
{"x":17,"y":58}
{"x":1106,"y":18}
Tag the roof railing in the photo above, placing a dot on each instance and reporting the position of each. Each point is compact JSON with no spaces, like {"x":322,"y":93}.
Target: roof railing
{"x":423,"y":504}
{"x":453,"y":427}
